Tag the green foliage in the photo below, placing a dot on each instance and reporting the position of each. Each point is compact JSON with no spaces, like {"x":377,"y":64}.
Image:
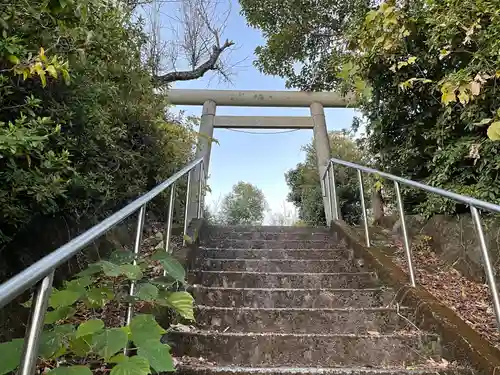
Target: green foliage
{"x":305,"y":189}
{"x":82,"y":129}
{"x":425,"y":75}
{"x":62,"y":339}
{"x":245,"y":204}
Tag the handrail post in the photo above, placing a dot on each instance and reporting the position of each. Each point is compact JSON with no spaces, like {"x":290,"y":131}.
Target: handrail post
{"x":406,"y":241}
{"x":186,"y":211}
{"x":141,"y":217}
{"x":328,"y":209}
{"x":363,"y":207}
{"x":490,"y":275}
{"x":200,"y":190}
{"x":170,"y":219}
{"x":336,"y":205}
{"x":32,"y":337}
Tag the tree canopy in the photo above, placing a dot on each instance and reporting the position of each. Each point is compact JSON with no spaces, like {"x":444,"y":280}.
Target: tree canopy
{"x":244,"y":205}
{"x":424,"y":73}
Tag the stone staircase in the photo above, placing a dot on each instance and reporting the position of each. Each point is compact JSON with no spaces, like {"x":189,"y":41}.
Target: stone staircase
{"x":291,"y":300}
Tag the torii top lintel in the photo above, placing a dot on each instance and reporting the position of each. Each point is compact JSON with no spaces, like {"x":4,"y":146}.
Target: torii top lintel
{"x":251,"y":98}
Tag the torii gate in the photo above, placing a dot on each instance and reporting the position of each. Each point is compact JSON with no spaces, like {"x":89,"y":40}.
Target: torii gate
{"x":210,"y":99}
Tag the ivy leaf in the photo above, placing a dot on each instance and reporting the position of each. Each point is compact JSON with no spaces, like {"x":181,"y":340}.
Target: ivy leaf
{"x":147,"y":292}
{"x":81,"y":346}
{"x":182,"y":303}
{"x":135,"y":365}
{"x":70,"y":370}
{"x":51,"y":342}
{"x":172,"y":267}
{"x":65,"y":297}
{"x":98,"y":297}
{"x":158,"y":355}
{"x":109,"y":341}
{"x":61,"y":313}
{"x":121,"y":257}
{"x":144,"y":327}
{"x":494,"y":131}
{"x":10,"y":355}
{"x":79,"y":284}
{"x":89,"y":327}
{"x":131,"y":271}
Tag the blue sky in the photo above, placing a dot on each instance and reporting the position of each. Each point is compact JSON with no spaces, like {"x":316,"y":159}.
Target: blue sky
{"x":261,"y":159}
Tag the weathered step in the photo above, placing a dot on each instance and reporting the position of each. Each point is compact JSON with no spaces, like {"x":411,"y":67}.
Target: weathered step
{"x":268,"y":244}
{"x":281,"y":265}
{"x":234,"y":279}
{"x":301,"y":320}
{"x":288,"y":349}
{"x":308,"y":298}
{"x":275,"y":236}
{"x":227,"y":230}
{"x":204,"y":369}
{"x":333,"y":254}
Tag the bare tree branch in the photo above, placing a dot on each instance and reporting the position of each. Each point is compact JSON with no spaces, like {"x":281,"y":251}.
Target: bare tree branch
{"x":187,"y":75}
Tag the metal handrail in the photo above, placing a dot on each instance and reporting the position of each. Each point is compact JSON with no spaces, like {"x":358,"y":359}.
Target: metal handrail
{"x":43,"y":270}
{"x":333,"y":210}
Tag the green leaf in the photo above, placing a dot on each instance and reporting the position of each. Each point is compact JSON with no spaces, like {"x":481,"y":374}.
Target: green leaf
{"x":51,"y":343}
{"x":81,"y":346}
{"x":121,"y":257}
{"x":163,"y":281}
{"x":173,"y":268}
{"x":89,"y":327}
{"x":64,"y":297}
{"x":13,"y":59}
{"x":51,"y":69}
{"x":135,"y":365}
{"x":182,"y":303}
{"x":98,"y":297}
{"x":147,"y":292}
{"x":92,"y":269}
{"x":109,"y":341}
{"x":120,"y":357}
{"x":79,"y":284}
{"x":110,"y":269}
{"x":144,"y":327}
{"x":70,"y":370}
{"x":10,"y":355}
{"x":494,"y":131}
{"x":61,"y":313}
{"x":131,"y":271}
{"x":158,"y":355}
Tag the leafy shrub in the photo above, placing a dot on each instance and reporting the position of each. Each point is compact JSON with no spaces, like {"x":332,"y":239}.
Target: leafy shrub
{"x":100,"y":284}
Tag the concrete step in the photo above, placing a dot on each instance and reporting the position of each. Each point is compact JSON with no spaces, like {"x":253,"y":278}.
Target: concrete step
{"x":268,"y":244}
{"x":427,"y":369}
{"x":275,"y":236}
{"x":235,"y":279}
{"x":308,"y":298}
{"x":282,"y":265}
{"x":302,"y":320}
{"x":304,"y":350}
{"x":228,"y":230}
{"x":333,"y":254}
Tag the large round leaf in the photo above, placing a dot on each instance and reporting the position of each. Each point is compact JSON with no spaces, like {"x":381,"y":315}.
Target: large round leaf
{"x":10,"y":355}
{"x":131,"y":271}
{"x":70,"y":370}
{"x":135,"y":365}
{"x":173,"y":268}
{"x":89,"y":327}
{"x":143,"y":328}
{"x":158,"y":355}
{"x":109,"y":341}
{"x":121,"y":257}
{"x":65,"y":297}
{"x":98,"y":297}
{"x":147,"y":292}
{"x":59,"y":314}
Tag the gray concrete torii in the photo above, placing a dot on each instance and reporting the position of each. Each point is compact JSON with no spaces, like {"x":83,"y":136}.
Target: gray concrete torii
{"x":210,"y":99}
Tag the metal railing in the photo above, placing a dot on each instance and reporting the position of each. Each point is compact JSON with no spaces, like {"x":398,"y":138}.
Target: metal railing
{"x":328,"y":181}
{"x":42,"y":271}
